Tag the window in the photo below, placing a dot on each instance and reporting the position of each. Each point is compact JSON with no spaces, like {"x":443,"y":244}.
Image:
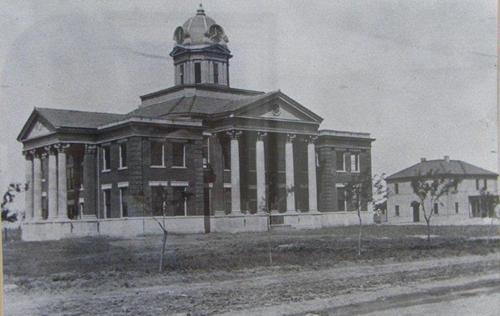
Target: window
{"x":341,"y":199}
{"x":159,"y":200}
{"x":197,"y":73}
{"x":396,"y":188}
{"x":181,"y":74}
{"x":355,"y":162}
{"x":180,"y":201}
{"x":456,"y":207}
{"x":179,"y":152}
{"x":106,"y":161}
{"x":124,"y":201}
{"x":485,"y":184}
{"x":436,"y":208}
{"x":157,"y":154}
{"x":396,"y":210}
{"x":123,"y":155}
{"x":477,"y":184}
{"x":206,"y":152}
{"x":340,"y":161}
{"x":216,"y":73}
{"x":107,"y":202}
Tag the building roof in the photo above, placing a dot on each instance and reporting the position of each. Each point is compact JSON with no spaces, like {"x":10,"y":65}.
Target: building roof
{"x":77,"y":119}
{"x":197,"y":104}
{"x":200,"y":30}
{"x":441,"y":167}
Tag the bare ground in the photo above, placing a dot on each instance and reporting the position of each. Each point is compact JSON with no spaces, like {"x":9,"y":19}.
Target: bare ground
{"x":311,"y":271}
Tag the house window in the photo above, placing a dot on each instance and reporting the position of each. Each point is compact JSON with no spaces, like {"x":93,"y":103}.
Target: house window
{"x":346,"y":157}
{"x":179,"y":152}
{"x":340,"y":161}
{"x":157,"y":154}
{"x":396,"y":210}
{"x":181,"y":74}
{"x":159,"y":200}
{"x":124,"y":201}
{"x":197,"y":72}
{"x":341,"y":199}
{"x":485,"y":184}
{"x":216,"y":73}
{"x":107,"y":202}
{"x":477,"y":184}
{"x":436,"y":208}
{"x":456,"y":207}
{"x":180,"y":201}
{"x":106,"y":160}
{"x":206,"y":152}
{"x":355,"y":162}
{"x":123,"y":155}
{"x":396,"y":188}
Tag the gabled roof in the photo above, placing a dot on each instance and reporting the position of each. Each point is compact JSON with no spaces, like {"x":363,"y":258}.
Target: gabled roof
{"x":58,"y":118}
{"x":441,"y":167}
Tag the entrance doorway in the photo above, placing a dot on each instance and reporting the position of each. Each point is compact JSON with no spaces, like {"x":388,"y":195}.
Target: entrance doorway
{"x":416,"y":211}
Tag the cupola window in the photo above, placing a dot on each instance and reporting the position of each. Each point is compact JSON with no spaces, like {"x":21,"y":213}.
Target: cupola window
{"x":216,"y":73}
{"x":197,"y":72}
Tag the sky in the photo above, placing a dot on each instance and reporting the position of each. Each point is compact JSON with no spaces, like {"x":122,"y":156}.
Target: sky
{"x":420,"y":76}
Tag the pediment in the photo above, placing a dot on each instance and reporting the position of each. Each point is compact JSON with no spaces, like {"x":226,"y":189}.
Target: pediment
{"x":38,"y":129}
{"x":281,"y":108}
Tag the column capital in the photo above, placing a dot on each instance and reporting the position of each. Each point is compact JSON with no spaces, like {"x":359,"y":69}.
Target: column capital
{"x":261,"y":135}
{"x":49,"y":150}
{"x":90,"y":148}
{"x":61,"y":148}
{"x":34,"y":153}
{"x":44,"y":155}
{"x":234,"y":134}
{"x":311,"y":139}
{"x":290,"y":138}
{"x":28,"y":155}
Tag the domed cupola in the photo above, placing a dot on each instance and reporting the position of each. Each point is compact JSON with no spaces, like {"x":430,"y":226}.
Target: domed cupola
{"x":200,"y":54}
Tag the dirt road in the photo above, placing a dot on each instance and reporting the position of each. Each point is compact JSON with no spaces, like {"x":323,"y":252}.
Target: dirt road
{"x":331,"y":284}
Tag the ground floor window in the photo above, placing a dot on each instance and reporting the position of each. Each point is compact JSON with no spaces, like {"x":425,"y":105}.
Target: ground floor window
{"x":180,"y":201}
{"x":107,"y":202}
{"x":436,"y":208}
{"x":123,"y":201}
{"x":159,"y":200}
{"x":341,"y":199}
{"x":456,"y":207}
{"x":396,"y":210}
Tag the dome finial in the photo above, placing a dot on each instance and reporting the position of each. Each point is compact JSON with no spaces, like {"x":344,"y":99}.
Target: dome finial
{"x":200,"y":10}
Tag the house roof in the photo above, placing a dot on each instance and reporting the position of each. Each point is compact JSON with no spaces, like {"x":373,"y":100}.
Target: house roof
{"x":441,"y":167}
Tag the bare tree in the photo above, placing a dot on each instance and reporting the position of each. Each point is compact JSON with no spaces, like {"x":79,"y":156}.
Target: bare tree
{"x":359,"y":192}
{"x":380,"y":195}
{"x":429,"y":188}
{"x":163,"y":226}
{"x":487,"y":204}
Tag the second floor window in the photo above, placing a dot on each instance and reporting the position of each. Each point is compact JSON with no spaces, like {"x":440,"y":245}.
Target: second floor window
{"x":179,"y":155}
{"x":106,"y":159}
{"x":123,"y":155}
{"x":355,"y":162}
{"x":396,"y":188}
{"x":340,"y":161}
{"x":157,"y":154}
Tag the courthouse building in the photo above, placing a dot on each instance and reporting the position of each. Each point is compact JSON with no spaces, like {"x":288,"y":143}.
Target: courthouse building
{"x":201,"y":156}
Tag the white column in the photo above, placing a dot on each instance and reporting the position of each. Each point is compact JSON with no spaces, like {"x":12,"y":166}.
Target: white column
{"x":261,"y":173}
{"x":62,"y":198}
{"x":28,"y":205}
{"x":290,"y":178}
{"x":311,"y":175}
{"x":52,"y":183}
{"x":235,"y":173}
{"x":37,"y":187}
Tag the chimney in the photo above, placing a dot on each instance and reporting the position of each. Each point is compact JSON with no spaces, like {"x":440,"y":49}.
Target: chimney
{"x":423,"y":159}
{"x":447,"y":158}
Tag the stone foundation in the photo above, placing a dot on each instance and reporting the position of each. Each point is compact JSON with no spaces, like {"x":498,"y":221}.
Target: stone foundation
{"x":137,"y":226}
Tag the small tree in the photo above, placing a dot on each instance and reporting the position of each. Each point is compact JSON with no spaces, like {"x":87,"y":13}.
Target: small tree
{"x":380,"y":195}
{"x":488,"y":203}
{"x":8,"y":198}
{"x":429,"y":188}
{"x":359,"y":192}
